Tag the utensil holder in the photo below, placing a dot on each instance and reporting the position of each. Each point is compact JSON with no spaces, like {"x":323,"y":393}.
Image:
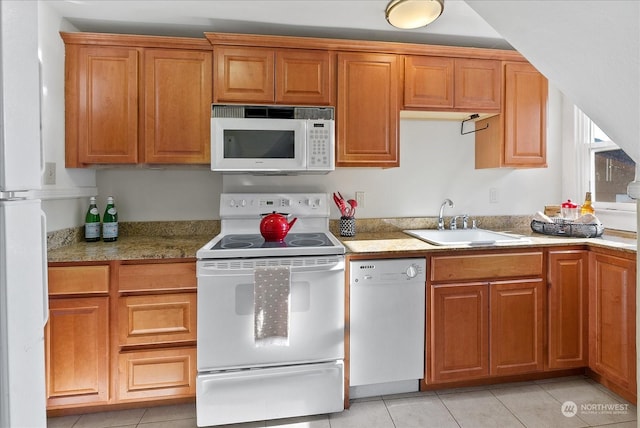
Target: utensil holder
{"x":347,"y":226}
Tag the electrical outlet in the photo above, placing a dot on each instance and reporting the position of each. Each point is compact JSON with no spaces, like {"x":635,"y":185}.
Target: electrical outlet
{"x":360,"y":199}
{"x":493,"y":195}
{"x":49,"y":173}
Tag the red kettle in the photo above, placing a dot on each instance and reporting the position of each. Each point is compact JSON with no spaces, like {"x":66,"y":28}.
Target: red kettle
{"x":274,"y":227}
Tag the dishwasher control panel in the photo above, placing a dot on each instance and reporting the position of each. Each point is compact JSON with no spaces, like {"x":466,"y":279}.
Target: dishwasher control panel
{"x":388,"y":270}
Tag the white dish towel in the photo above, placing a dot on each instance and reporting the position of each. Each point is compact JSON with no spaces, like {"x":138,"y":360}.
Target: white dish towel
{"x":272,"y":291}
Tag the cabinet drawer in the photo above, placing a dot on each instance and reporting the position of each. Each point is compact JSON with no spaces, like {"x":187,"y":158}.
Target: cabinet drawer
{"x":78,"y":280}
{"x":157,"y":373}
{"x":485,"y":266}
{"x":157,"y":319}
{"x":157,"y":276}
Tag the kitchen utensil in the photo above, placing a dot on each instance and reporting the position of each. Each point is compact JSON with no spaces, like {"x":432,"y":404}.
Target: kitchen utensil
{"x":353,"y":204}
{"x":274,"y":227}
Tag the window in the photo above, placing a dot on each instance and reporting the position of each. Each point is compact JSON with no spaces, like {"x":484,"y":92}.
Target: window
{"x":611,"y":170}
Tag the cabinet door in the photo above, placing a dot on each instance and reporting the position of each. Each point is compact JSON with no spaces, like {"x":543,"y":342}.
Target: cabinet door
{"x":612,"y":319}
{"x":428,"y":82}
{"x":103,"y":104}
{"x":368,"y":110}
{"x":525,"y":116}
{"x":458,"y":332}
{"x":478,"y":84}
{"x":304,"y":77}
{"x":243,"y":74}
{"x":177,"y":103}
{"x":568,"y":303}
{"x":517,"y":327}
{"x":77,"y":351}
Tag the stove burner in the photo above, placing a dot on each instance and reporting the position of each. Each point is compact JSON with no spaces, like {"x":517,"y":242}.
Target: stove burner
{"x":236,"y":244}
{"x":306,"y":242}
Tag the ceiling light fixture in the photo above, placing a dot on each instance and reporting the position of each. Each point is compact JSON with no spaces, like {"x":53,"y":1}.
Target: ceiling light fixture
{"x":410,"y":14}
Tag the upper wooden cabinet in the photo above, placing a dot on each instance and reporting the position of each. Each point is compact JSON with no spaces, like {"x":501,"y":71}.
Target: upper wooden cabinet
{"x":136,"y":99}
{"x":266,"y":76}
{"x":517,"y":137}
{"x":177,"y":101}
{"x":368,"y":110}
{"x":456,"y":84}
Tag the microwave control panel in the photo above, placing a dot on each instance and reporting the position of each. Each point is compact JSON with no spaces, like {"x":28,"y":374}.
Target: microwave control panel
{"x":320,"y":147}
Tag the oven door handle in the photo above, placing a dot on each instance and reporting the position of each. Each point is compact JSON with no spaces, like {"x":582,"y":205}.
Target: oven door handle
{"x":219,"y":269}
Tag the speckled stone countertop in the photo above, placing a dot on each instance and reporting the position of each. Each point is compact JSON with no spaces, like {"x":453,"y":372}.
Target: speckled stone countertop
{"x":181,"y":239}
{"x":136,"y":241}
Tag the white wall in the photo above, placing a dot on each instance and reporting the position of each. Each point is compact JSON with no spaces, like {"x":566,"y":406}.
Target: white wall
{"x":436,"y":163}
{"x":66,"y":212}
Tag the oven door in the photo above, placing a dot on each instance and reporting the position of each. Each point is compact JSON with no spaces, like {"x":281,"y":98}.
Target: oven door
{"x":226,"y":313}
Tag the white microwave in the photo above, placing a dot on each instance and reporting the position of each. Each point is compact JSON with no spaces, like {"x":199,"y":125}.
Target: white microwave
{"x":272,"y":139}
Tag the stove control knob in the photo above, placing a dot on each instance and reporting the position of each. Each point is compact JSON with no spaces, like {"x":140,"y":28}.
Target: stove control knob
{"x":232,"y":203}
{"x":412,"y":271}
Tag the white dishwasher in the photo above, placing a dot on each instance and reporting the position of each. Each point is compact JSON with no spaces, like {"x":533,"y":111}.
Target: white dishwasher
{"x":387,"y":324}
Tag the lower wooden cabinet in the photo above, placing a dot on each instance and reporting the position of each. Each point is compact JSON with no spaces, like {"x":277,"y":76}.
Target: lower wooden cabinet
{"x":120,"y":332}
{"x":486,"y":315}
{"x":612,"y":314}
{"x":459,"y":333}
{"x":155,"y":374}
{"x":517,"y":327}
{"x":567,"y":320}
{"x":77,"y":336}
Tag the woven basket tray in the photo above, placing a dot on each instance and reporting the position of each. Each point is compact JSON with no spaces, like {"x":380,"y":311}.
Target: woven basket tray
{"x":562,"y":227}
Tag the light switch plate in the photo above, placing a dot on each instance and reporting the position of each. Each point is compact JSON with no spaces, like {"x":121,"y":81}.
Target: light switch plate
{"x":49,"y":173}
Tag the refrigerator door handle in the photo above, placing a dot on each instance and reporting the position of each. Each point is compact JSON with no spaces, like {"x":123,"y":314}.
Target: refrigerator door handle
{"x":45,"y":276}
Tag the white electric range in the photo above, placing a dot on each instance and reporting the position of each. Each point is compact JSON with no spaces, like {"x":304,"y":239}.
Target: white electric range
{"x":241,"y":379}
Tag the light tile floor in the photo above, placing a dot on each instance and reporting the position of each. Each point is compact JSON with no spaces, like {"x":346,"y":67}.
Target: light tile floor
{"x":523,"y":404}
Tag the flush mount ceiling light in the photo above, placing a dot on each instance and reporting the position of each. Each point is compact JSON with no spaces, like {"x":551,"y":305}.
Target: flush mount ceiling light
{"x":410,"y":14}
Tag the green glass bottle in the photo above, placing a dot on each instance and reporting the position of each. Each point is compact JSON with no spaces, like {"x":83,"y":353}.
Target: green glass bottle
{"x":110,"y":222}
{"x":92,"y":222}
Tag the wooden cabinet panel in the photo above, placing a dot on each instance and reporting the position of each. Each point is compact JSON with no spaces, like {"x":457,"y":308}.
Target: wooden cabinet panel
{"x":567,"y":308}
{"x":78,"y":280}
{"x":243,"y":74}
{"x":368,"y":110}
{"x":304,"y":77}
{"x":517,"y":327}
{"x":157,"y":276}
{"x":486,"y":266}
{"x":157,"y":319}
{"x":478,"y":84}
{"x":612,"y":322}
{"x":428,"y":82}
{"x":153,"y":374}
{"x":102,"y":102}
{"x":525,"y":116}
{"x":77,"y":351}
{"x":458,"y":332}
{"x":518,"y":136}
{"x":177,"y":102}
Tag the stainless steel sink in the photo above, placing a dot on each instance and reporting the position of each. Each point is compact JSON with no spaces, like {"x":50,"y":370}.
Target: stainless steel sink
{"x":464,"y":237}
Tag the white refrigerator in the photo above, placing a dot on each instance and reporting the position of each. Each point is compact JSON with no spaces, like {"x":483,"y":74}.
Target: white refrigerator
{"x":23,"y":283}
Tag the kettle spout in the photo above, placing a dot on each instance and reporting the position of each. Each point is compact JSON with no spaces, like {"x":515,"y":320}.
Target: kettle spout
{"x":292,"y":222}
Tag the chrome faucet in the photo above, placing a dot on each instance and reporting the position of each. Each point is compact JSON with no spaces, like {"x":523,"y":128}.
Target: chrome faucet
{"x":454,"y":221}
{"x":441,"y":215}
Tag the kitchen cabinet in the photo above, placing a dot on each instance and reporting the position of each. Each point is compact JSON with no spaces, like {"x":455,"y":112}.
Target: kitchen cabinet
{"x":77,"y":336}
{"x":262,"y":75}
{"x":517,"y":137}
{"x":156,"y":326}
{"x":486,"y":315}
{"x":136,"y":99}
{"x":567,"y":321}
{"x":612,"y":320}
{"x":121,"y":332}
{"x":452,"y":84}
{"x":368,"y":110}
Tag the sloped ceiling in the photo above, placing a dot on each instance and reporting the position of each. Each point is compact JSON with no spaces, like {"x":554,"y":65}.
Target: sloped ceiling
{"x":590,"y":50}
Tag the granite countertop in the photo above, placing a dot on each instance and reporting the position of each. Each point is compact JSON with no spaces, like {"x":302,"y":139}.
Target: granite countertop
{"x":165,"y":240}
